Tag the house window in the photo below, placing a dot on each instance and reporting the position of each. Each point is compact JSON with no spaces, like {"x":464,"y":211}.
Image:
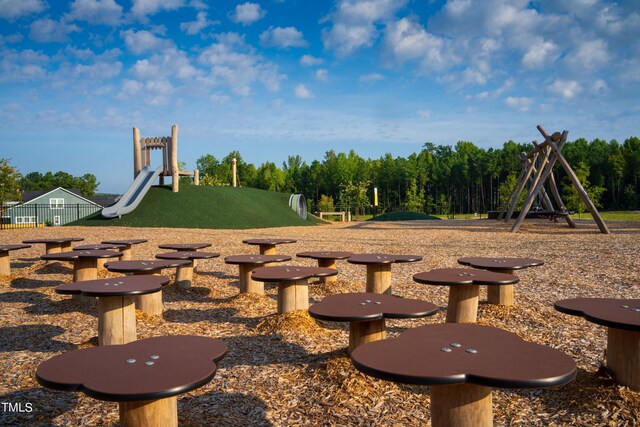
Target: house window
{"x":25,"y":220}
{"x":56,"y":220}
{"x":56,"y":203}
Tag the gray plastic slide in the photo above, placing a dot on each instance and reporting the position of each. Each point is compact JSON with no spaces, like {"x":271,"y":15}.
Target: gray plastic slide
{"x":132,"y":197}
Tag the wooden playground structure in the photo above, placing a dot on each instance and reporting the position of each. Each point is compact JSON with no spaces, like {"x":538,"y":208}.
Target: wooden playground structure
{"x":169,"y":145}
{"x":537,"y":169}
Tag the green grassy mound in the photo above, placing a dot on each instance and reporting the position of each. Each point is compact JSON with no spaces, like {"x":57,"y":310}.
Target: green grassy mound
{"x":207,"y":207}
{"x":402,"y":216}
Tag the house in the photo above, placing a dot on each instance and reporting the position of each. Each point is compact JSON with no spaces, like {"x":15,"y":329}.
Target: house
{"x":50,"y":207}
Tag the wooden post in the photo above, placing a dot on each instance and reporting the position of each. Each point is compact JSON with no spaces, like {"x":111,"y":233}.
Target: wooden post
{"x":234,"y":172}
{"x":463,"y":304}
{"x":116,"y":320}
{"x":247,"y":284}
{"x":136,"y":152}
{"x":150,"y":303}
{"x":141,"y":413}
{"x":327,"y":263}
{"x":53,"y":248}
{"x":379,"y":278}
{"x":126,"y":253}
{"x":293,"y":296}
{"x":5,"y":265}
{"x":184,"y":276}
{"x":196,"y":177}
{"x":623,"y":356}
{"x":85,"y":269}
{"x":461,"y":405}
{"x":267,"y":249}
{"x":175,"y":170}
{"x":553,"y":188}
{"x":366,"y":331}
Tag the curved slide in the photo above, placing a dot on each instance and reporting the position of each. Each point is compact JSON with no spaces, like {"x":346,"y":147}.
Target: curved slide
{"x":132,"y":197}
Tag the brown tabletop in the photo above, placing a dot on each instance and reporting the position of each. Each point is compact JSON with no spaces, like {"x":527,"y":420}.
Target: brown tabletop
{"x":622,"y":319}
{"x":366,"y":312}
{"x":144,"y":266}
{"x":508,"y":264}
{"x":189,"y":255}
{"x":184,"y":246}
{"x":85,"y":263}
{"x":98,"y":246}
{"x":56,"y":244}
{"x":326,"y":259}
{"x":119,"y":286}
{"x":256,"y":259}
{"x":379,"y":269}
{"x":248,"y":263}
{"x":5,"y":265}
{"x":125,"y":246}
{"x":463,"y":288}
{"x":293,"y":289}
{"x":461,"y":363}
{"x":144,"y":376}
{"x":268,"y":246}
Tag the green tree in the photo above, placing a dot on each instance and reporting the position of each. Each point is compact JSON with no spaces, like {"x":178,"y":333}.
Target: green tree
{"x":414,"y":200}
{"x":355,"y":195}
{"x":573,"y":200}
{"x":325,"y":204}
{"x":269,"y":177}
{"x":9,"y":183}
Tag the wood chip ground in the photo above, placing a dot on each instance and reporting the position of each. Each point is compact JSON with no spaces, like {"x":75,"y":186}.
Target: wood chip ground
{"x":289,"y":370}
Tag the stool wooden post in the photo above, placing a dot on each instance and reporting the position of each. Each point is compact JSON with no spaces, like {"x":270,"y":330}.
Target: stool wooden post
{"x":184,"y":275}
{"x":5,"y":265}
{"x":267,"y":249}
{"x":247,"y":284}
{"x":328,"y":263}
{"x":366,"y":331}
{"x":623,"y":356}
{"x":52,"y":248}
{"x":126,"y":253}
{"x":463,"y":304}
{"x":379,"y":278}
{"x":140,"y":413}
{"x":461,"y":405}
{"x":501,"y":294}
{"x":293,"y":296}
{"x":150,"y":303}
{"x":116,"y":320}
{"x":85,"y":269}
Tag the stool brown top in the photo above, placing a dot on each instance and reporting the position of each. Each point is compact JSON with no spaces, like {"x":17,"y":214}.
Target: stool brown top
{"x":119,"y":286}
{"x":382,"y":258}
{"x":611,"y":312}
{"x":125,"y":242}
{"x":138,"y":266}
{"x":350,"y":307}
{"x":71,"y":255}
{"x":464,"y":353}
{"x":325,"y":255}
{"x":268,"y":241}
{"x":463,"y":276}
{"x":152,"y":368}
{"x":256,"y":259}
{"x":7,"y":248}
{"x":98,"y":246}
{"x":288,"y":273}
{"x":184,"y":246}
{"x":188,"y":255}
{"x":500,"y":263}
{"x":55,"y":240}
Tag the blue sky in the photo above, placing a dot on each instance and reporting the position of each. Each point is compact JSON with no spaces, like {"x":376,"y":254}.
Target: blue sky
{"x":275,"y":78}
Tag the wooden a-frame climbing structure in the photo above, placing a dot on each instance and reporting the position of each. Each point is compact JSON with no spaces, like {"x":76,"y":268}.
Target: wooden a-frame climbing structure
{"x":537,"y":169}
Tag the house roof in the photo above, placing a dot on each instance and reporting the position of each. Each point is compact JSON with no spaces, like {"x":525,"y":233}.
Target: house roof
{"x":31,"y":195}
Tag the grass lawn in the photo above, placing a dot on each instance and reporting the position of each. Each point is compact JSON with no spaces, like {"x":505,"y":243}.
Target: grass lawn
{"x":208,"y":207}
{"x":402,"y":216}
{"x":612,"y":215}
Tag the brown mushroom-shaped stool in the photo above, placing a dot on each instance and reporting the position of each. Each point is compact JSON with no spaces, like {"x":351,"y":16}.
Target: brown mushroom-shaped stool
{"x":125,"y":246}
{"x":622,"y":319}
{"x":149,"y":303}
{"x":189,"y":247}
{"x":366,"y":312}
{"x":326,"y":259}
{"x":500,"y":294}
{"x":53,"y":245}
{"x":379,"y":269}
{"x":293,"y":286}
{"x":5,"y":265}
{"x":116,"y":303}
{"x":268,"y":246}
{"x":98,"y":247}
{"x":461,"y":363}
{"x":184,"y":274}
{"x":144,"y":377}
{"x":247,"y":263}
{"x":464,"y":284}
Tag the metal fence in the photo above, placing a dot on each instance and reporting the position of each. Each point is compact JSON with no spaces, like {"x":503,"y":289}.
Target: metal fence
{"x":31,"y":215}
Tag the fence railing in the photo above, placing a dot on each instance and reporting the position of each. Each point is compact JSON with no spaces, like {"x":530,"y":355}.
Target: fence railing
{"x":32,"y":215}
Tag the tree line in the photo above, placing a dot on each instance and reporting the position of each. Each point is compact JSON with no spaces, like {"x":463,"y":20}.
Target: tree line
{"x":439,"y":179}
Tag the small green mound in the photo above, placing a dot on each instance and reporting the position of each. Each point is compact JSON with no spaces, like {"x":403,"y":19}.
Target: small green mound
{"x":207,"y":207}
{"x":402,"y":216}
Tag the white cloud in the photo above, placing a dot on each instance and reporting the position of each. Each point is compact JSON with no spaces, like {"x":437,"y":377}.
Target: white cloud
{"x":12,"y":9}
{"x":589,"y":55}
{"x":201,"y":22}
{"x":106,"y":12}
{"x":518,"y":103}
{"x":301,"y":91}
{"x":168,"y":64}
{"x":46,"y":31}
{"x":24,"y":65}
{"x":539,"y":54}
{"x":599,"y":86}
{"x":144,"y":41}
{"x":425,"y":114}
{"x":407,"y":40}
{"x":370,"y":78}
{"x":309,"y":60}
{"x":142,"y":8}
{"x":354,"y":24}
{"x":247,"y":13}
{"x":566,"y":88}
{"x":322,"y":74}
{"x":282,"y":37}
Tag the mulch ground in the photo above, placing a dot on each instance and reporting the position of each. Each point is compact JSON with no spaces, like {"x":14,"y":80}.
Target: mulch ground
{"x":286,"y":370}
